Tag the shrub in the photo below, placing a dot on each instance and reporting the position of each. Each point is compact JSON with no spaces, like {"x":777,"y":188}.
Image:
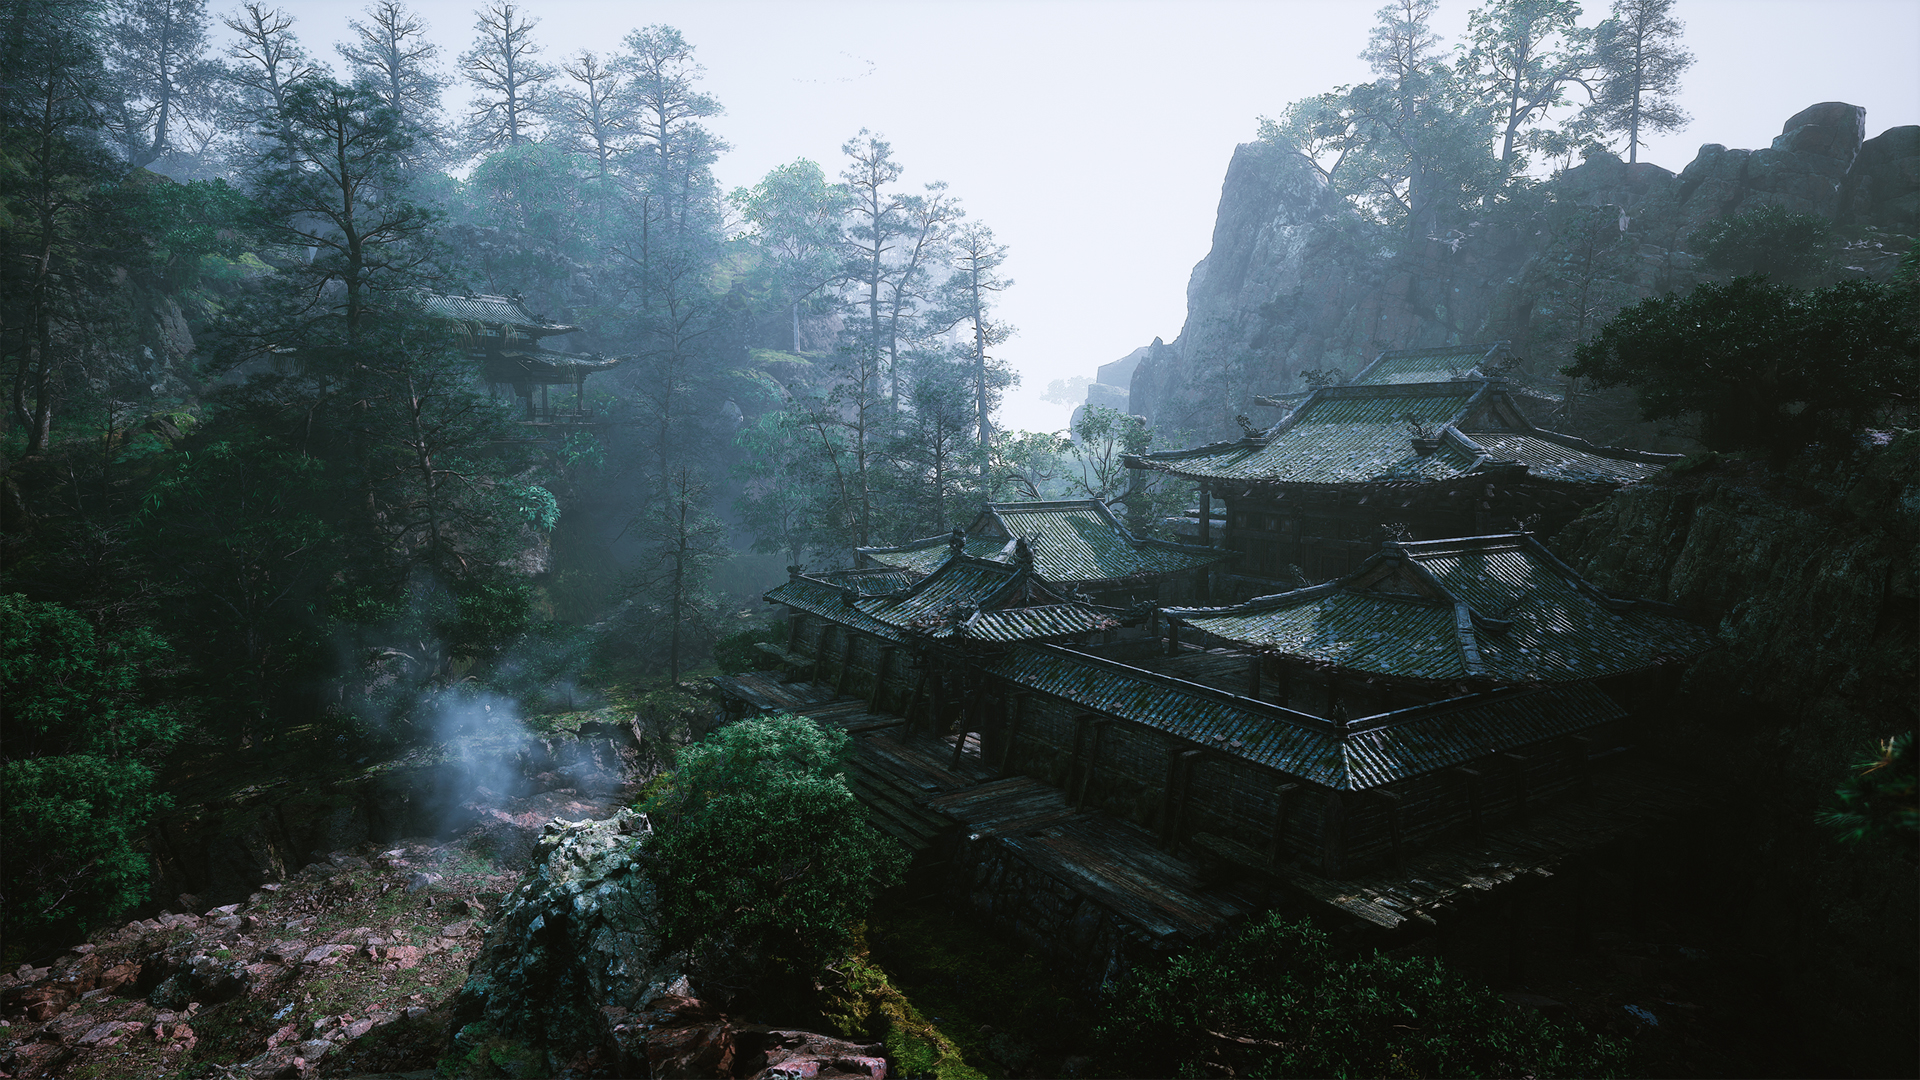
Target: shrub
{"x":764,"y":858}
{"x":1276,"y":1001}
{"x":735,"y":653}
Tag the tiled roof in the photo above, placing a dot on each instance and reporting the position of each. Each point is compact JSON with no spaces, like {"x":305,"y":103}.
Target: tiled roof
{"x":540,"y":364}
{"x":1487,"y":608}
{"x":1366,"y":753}
{"x":491,"y":311}
{"x":1074,"y":542}
{"x":1361,"y":435}
{"x":1437,"y":364}
{"x":963,"y":599}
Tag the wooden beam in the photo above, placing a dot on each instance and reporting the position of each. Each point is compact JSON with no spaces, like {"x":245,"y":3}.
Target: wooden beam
{"x":1100,"y":725}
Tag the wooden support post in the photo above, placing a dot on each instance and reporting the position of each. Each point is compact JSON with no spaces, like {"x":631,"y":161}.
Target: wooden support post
{"x":1520,"y":780}
{"x":913,"y":700}
{"x":1206,"y":516}
{"x":1253,"y":677}
{"x":1283,"y":690}
{"x":1283,"y":803}
{"x":880,"y":676}
{"x":1173,"y":638}
{"x":1474,"y":819}
{"x":1392,"y":799}
{"x":1184,"y":768}
{"x":820,"y":652}
{"x":1100,"y":725}
{"x":1333,"y":836}
{"x":846,"y":663}
{"x":1073,"y":762}
{"x":1018,"y":709}
{"x":794,"y":622}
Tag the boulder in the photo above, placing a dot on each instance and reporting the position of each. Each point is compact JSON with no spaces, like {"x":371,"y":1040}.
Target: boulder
{"x":574,"y":939}
{"x":1831,"y":129}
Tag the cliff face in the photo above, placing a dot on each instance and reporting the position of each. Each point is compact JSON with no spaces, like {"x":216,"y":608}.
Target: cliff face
{"x":1290,"y":285}
{"x":1811,"y":578}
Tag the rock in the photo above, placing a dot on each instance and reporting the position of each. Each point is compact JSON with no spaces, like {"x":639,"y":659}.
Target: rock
{"x":204,"y":980}
{"x":1831,"y":129}
{"x":315,"y":1049}
{"x":573,"y":940}
{"x":422,"y":880}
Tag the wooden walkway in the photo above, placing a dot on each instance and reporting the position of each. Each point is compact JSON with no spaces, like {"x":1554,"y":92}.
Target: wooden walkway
{"x":916,"y":792}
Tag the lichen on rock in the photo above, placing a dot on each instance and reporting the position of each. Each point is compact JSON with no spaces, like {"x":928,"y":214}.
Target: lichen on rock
{"x":572,"y":941}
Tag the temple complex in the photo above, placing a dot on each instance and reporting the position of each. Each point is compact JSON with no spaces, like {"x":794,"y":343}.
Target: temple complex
{"x":1421,"y":444}
{"x":1439,"y":720}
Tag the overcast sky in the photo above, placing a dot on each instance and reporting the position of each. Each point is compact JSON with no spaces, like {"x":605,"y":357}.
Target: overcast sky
{"x":1093,"y":136}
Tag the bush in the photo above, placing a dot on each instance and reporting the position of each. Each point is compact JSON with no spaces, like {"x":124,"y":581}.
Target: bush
{"x":1276,"y":1001}
{"x":79,"y":729}
{"x":764,"y":858}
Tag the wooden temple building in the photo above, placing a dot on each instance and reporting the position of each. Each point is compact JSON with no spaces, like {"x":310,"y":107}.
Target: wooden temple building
{"x":1421,"y":444}
{"x":1101,"y":779}
{"x":504,"y":336}
{"x":1077,"y":544}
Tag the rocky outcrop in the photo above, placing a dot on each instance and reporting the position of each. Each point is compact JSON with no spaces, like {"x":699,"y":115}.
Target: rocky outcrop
{"x":1290,"y":286}
{"x":572,"y":942}
{"x":569,"y":982}
{"x":1811,"y":579}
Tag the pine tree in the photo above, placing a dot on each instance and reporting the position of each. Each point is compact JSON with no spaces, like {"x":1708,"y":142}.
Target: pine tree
{"x":1640,"y":60}
{"x":502,"y":66}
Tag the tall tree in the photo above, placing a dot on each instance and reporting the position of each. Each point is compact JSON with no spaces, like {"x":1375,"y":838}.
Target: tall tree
{"x":793,"y":215}
{"x":595,"y":116}
{"x":502,"y":65}
{"x":1521,"y":57}
{"x":268,"y":59}
{"x":1411,"y":149}
{"x":390,"y":55}
{"x":977,"y":259}
{"x":676,"y":151}
{"x":52,"y":90}
{"x":1640,"y":59}
{"x":333,"y":186}
{"x":673,"y":588}
{"x":919,"y":268}
{"x":158,"y":50}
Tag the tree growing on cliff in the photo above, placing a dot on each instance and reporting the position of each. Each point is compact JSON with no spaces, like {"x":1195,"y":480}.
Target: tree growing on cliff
{"x":1640,"y":59}
{"x":1764,"y":366}
{"x":1522,"y":56}
{"x":763,"y":858}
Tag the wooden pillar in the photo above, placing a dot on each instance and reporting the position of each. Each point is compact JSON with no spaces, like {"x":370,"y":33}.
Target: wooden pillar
{"x":1333,"y":835}
{"x":1475,"y":821}
{"x":880,"y":676}
{"x":1100,"y":725}
{"x":1283,"y":804}
{"x":1173,"y":637}
{"x":1253,"y":677}
{"x":1206,"y":516}
{"x":794,"y":620}
{"x":1520,"y":781}
{"x":1283,"y":685}
{"x":1392,"y":799}
{"x":1019,"y":710}
{"x":913,"y":699}
{"x":820,"y":651}
{"x":1184,"y":767}
{"x":846,"y":662}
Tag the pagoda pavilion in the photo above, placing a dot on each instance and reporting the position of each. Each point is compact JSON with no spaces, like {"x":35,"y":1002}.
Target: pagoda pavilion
{"x":504,"y":336}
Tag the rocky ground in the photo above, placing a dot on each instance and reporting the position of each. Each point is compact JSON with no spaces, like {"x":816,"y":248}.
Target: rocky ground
{"x":346,"y":968}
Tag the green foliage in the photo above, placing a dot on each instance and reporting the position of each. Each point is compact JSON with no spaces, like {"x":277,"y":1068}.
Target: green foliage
{"x":1764,"y":366}
{"x":1771,"y":242}
{"x":764,"y":857}
{"x":735,"y":653}
{"x":80,"y":728}
{"x":1881,"y":798}
{"x":1277,"y":1001}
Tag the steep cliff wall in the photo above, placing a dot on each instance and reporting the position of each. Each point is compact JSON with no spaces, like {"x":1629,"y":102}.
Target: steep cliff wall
{"x":1811,"y":578}
{"x":1292,"y":283}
